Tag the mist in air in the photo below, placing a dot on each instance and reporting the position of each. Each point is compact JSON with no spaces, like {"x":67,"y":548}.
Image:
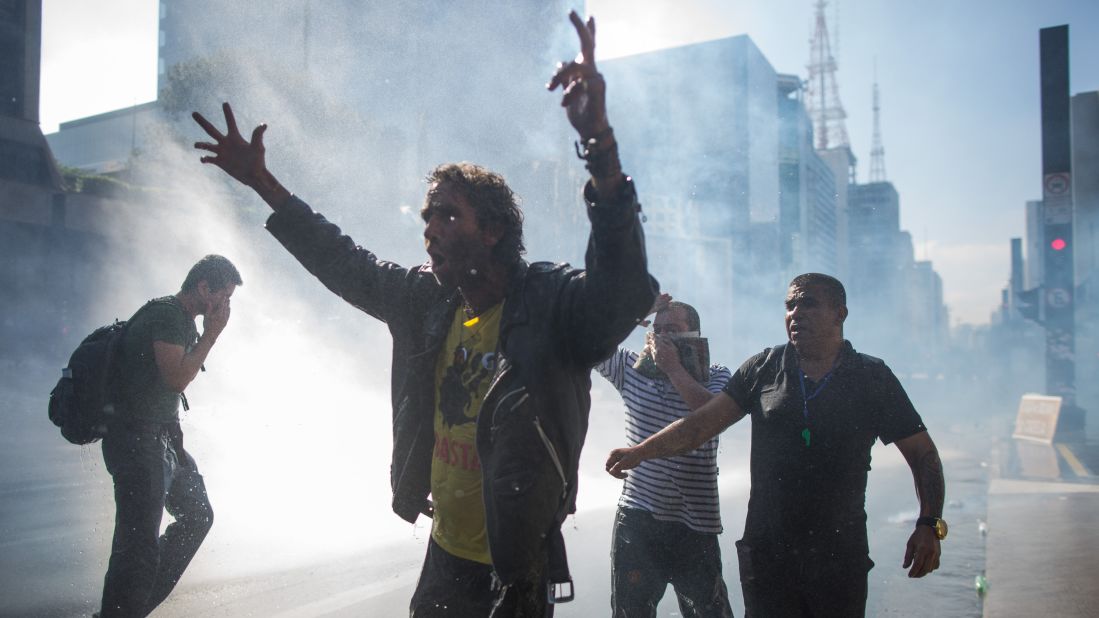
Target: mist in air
{"x":290,"y":424}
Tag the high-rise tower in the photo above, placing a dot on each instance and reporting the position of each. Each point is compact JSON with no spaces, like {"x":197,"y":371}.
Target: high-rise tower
{"x":877,"y":151}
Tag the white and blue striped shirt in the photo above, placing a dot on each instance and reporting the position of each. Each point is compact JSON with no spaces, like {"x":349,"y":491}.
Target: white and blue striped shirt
{"x":681,"y":488}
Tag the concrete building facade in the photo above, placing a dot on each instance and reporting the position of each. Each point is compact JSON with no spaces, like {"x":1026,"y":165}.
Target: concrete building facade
{"x":841,"y":161}
{"x":105,"y":143}
{"x":50,"y":239}
{"x":703,"y":132}
{"x":898,"y":300}
{"x":1085,"y":189}
{"x":1033,"y":244}
{"x":807,"y":190}
{"x":1085,"y":195}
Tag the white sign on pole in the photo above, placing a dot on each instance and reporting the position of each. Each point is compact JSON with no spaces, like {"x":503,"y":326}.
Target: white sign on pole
{"x":1037,"y":418}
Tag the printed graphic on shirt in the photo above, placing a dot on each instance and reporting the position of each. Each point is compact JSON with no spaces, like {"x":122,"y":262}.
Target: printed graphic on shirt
{"x":468,"y":374}
{"x":462,"y":374}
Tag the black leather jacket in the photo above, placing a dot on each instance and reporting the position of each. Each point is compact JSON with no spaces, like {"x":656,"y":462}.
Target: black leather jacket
{"x":558,"y":322}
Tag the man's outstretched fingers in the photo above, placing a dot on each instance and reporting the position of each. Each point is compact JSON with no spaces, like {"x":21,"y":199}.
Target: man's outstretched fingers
{"x":206,"y":126}
{"x":586,"y":32}
{"x":230,"y":120}
{"x":257,"y":135}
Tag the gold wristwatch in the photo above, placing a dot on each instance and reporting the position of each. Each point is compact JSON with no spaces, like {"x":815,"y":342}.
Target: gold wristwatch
{"x":937,"y":524}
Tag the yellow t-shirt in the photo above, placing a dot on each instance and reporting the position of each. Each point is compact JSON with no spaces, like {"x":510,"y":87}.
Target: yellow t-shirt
{"x":462,"y":374}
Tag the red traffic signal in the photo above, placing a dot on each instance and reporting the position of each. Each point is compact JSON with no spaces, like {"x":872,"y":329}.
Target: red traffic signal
{"x":1058,"y":244}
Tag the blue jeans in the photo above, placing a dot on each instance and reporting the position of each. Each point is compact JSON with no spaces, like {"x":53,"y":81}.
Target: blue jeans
{"x":151,"y":473}
{"x":649,"y":554}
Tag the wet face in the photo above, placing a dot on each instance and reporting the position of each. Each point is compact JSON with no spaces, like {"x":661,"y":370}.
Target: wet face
{"x":213,"y":300}
{"x":812,"y":317}
{"x":671,"y":322}
{"x":459,"y":249}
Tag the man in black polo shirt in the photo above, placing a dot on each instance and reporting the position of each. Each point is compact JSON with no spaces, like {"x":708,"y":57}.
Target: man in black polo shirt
{"x":817,"y":406}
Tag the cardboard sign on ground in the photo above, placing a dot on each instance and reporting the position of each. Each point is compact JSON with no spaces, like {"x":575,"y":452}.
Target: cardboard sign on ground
{"x":1037,"y":418}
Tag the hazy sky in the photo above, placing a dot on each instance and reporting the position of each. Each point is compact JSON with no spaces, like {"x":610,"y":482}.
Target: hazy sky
{"x":958,"y":80}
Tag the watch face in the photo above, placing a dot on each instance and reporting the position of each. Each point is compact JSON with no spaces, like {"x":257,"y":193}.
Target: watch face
{"x":940,"y":529}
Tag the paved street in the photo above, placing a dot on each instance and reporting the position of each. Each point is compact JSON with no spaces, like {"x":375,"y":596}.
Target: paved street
{"x":1043,"y":551}
{"x":57,"y":516}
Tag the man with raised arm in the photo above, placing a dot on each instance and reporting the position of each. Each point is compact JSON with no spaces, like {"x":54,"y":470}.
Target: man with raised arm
{"x":817,"y":406}
{"x":492,"y":356}
{"x":668,"y":519}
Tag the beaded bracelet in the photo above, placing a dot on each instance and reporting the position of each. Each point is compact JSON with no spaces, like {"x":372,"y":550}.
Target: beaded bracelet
{"x":601,"y":154}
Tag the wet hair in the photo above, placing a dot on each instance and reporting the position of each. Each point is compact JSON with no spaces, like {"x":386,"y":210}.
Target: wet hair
{"x":492,"y":200}
{"x":832,"y":286}
{"x":217,"y":271}
{"x":693,"y":322}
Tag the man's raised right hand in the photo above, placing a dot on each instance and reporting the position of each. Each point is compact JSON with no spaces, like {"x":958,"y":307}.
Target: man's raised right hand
{"x":243,"y":160}
{"x":216,"y":319}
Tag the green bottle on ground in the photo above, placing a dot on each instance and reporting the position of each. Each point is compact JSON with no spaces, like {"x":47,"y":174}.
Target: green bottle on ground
{"x":981,"y":584}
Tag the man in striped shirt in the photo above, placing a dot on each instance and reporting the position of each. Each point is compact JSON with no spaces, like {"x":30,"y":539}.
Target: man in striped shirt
{"x":668,"y":519}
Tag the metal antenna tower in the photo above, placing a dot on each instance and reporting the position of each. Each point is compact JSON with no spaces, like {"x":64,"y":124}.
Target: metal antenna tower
{"x":836,"y":30}
{"x":877,"y":151}
{"x":821,"y":90}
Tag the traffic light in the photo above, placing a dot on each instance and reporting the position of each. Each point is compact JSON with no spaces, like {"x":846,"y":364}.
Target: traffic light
{"x":1059,"y":256}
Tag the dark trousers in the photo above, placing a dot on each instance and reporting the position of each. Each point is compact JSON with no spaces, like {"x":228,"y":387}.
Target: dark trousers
{"x":648,"y":554}
{"x":785,"y":584}
{"x":152,"y":473}
{"x":453,"y":587}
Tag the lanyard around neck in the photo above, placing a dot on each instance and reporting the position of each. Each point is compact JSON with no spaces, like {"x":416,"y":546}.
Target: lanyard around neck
{"x":806,"y":398}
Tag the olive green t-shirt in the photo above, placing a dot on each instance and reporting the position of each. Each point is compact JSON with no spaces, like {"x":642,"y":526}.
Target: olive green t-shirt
{"x":143,"y":395}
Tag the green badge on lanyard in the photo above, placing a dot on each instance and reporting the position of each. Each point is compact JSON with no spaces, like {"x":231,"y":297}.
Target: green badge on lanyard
{"x":807,"y":397}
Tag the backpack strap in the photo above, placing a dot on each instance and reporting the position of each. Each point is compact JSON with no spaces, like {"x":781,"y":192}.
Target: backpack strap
{"x":170,"y":301}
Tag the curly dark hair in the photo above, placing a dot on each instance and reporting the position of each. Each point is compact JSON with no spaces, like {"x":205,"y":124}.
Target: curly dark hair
{"x":493,"y":201}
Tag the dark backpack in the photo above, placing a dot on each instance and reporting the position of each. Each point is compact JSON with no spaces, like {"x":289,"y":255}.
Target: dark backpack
{"x":84,"y":396}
